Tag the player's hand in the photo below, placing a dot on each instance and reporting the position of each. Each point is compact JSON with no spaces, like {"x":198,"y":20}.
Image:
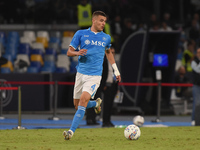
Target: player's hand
{"x":82,"y":52}
{"x":118,"y":78}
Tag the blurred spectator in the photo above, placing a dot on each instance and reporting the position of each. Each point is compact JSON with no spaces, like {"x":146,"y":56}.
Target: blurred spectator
{"x":109,"y":90}
{"x":84,"y":14}
{"x":141,"y":26}
{"x":181,"y":77}
{"x":193,"y":31}
{"x":127,"y":29}
{"x":196,"y":17}
{"x":167,"y":20}
{"x":183,"y":39}
{"x":155,"y":27}
{"x":179,"y":58}
{"x":153,"y":22}
{"x":180,"y":53}
{"x":196,"y":86}
{"x":116,"y":30}
{"x":107,"y":29}
{"x":165,"y":27}
{"x":188,"y":55}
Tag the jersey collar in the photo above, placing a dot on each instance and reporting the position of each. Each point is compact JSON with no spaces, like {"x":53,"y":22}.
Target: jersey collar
{"x":94,"y":32}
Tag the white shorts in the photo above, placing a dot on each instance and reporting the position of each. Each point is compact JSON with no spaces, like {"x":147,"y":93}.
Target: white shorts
{"x":86,"y":83}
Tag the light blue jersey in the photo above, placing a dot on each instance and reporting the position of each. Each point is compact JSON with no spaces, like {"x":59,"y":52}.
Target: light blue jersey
{"x":96,"y":44}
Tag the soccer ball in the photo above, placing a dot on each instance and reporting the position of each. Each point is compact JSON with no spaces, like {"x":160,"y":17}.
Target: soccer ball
{"x":132,"y":132}
{"x":138,"y":120}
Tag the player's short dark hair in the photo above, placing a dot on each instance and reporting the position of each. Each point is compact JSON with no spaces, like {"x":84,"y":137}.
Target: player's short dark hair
{"x":97,"y":13}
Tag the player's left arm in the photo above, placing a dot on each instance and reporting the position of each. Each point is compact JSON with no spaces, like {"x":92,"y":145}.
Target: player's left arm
{"x":111,"y":60}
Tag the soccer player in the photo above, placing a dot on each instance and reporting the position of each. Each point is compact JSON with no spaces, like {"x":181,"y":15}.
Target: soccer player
{"x":93,"y":44}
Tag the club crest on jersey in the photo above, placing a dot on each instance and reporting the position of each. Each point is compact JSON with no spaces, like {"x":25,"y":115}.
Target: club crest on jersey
{"x":87,"y":42}
{"x":104,"y":38}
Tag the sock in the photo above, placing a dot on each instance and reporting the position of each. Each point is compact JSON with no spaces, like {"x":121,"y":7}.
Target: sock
{"x":77,"y":118}
{"x":91,"y":104}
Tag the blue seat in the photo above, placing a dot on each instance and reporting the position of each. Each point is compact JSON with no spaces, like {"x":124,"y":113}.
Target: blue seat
{"x":47,"y":69}
{"x":9,"y":57}
{"x":73,"y":66}
{"x":13,"y":39}
{"x":55,"y":40}
{"x":55,"y":46}
{"x":2,"y":35}
{"x":63,"y":51}
{"x":13,"y":34}
{"x":13,"y":52}
{"x":32,"y":70}
{"x":3,"y":38}
{"x":24,"y":48}
{"x":5,"y":70}
{"x":11,"y":46}
{"x":36,"y":64}
{"x":37,"y":51}
{"x":49,"y":63}
{"x":51,"y":51}
{"x":57,"y":34}
{"x":12,"y":43}
{"x":60,"y":70}
{"x":49,"y":66}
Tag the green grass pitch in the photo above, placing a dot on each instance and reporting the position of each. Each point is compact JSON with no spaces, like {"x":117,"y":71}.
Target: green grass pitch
{"x":163,"y":138}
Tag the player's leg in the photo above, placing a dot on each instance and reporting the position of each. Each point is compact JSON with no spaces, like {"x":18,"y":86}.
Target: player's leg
{"x":95,"y":104}
{"x":77,"y":94}
{"x":90,"y":113}
{"x":85,"y":97}
{"x":76,"y":101}
{"x":91,"y":104}
{"x":91,"y":85}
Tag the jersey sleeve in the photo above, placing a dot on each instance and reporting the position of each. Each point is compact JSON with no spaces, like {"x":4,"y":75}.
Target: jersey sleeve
{"x":108,"y":42}
{"x":76,"y":40}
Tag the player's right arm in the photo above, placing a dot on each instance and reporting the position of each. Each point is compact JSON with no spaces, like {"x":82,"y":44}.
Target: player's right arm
{"x":71,"y":52}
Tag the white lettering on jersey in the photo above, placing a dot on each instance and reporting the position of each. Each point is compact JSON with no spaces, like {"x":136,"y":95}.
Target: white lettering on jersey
{"x":98,"y":43}
{"x":94,"y":43}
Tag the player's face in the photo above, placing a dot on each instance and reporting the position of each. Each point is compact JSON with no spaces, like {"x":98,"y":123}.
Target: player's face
{"x":99,"y":23}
